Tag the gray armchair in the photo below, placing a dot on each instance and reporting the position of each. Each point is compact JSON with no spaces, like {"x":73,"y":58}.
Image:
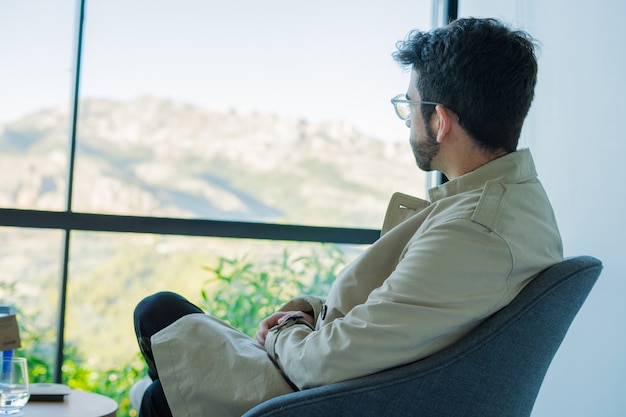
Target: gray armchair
{"x":496,"y":370}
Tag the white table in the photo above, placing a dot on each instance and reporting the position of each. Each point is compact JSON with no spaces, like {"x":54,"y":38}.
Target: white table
{"x":76,"y":404}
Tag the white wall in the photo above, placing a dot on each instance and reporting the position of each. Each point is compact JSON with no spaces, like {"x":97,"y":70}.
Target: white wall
{"x":576,"y":134}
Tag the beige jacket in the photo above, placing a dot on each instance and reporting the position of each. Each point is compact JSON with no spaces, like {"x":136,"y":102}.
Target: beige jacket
{"x":437,"y":271}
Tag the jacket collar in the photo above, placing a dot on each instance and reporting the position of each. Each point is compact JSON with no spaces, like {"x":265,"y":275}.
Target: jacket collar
{"x":512,"y":168}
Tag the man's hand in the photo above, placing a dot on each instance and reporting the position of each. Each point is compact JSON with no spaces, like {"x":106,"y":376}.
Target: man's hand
{"x":276,"y":319}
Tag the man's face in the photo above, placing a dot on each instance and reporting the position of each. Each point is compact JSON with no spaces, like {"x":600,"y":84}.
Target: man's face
{"x":422,"y":139}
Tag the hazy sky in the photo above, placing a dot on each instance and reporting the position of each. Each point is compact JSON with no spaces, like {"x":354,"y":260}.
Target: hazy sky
{"x":322,"y":60}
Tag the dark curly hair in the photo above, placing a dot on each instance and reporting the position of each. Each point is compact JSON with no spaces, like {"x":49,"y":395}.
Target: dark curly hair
{"x":479,"y":68}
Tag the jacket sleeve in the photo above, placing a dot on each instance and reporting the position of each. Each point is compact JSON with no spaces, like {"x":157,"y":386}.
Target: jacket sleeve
{"x":448,"y":279}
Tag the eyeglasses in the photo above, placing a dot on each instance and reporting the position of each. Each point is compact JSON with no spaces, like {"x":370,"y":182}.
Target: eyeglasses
{"x":402,"y":106}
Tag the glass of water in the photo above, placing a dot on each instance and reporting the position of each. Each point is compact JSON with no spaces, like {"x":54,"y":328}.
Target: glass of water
{"x":13,"y":385}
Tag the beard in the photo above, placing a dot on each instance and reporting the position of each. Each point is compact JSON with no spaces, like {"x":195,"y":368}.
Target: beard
{"x":424,"y":152}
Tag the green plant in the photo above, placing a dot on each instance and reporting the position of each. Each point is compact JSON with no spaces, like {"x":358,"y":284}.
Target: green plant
{"x":114,"y":383}
{"x":243,"y":292}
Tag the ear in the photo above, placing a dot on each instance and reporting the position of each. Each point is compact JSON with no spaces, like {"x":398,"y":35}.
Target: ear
{"x":442,"y":122}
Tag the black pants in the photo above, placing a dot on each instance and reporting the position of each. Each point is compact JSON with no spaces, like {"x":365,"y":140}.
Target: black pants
{"x":153,"y":314}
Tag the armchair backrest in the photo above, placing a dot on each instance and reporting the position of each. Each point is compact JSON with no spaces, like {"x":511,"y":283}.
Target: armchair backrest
{"x":496,"y":370}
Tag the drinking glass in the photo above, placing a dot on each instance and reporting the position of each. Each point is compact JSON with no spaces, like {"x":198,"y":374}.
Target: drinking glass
{"x":13,"y":385}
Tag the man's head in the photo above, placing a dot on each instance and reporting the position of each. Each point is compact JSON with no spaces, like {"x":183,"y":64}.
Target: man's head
{"x":481,"y":70}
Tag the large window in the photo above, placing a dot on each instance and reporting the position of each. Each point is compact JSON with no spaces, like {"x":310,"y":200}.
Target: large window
{"x":238,"y":119}
{"x":254,"y":111}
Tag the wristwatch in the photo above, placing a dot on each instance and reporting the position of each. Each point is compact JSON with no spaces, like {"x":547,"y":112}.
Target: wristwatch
{"x":290,"y":321}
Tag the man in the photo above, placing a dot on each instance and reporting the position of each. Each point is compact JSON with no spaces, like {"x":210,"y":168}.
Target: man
{"x":438,"y":269}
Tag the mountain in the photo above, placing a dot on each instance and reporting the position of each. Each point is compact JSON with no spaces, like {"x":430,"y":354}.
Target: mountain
{"x":158,"y":157}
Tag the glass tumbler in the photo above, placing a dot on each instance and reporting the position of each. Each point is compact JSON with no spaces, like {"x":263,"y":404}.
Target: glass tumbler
{"x":13,"y":385}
